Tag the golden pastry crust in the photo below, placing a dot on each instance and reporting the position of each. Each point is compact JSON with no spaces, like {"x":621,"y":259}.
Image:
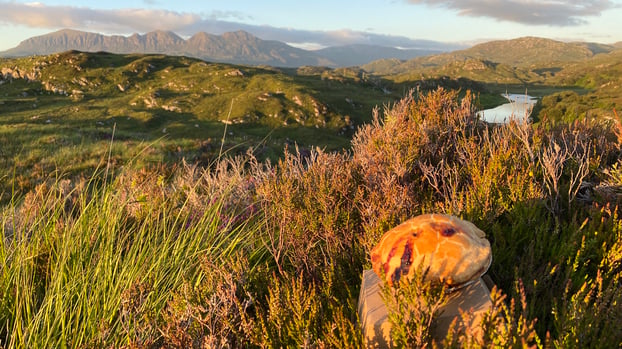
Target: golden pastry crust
{"x":455,"y":251}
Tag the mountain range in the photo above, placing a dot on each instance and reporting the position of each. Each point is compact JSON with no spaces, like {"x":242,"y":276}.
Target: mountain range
{"x":237,"y":47}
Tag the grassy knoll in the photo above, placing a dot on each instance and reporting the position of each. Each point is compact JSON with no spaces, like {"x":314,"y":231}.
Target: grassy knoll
{"x":63,"y":111}
{"x":251,"y":254}
{"x":73,"y":111}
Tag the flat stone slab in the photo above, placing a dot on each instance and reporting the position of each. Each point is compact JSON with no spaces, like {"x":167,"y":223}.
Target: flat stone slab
{"x":373,"y":314}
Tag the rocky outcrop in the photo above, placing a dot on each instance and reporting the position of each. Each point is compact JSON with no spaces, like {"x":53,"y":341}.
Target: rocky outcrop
{"x":16,"y":73}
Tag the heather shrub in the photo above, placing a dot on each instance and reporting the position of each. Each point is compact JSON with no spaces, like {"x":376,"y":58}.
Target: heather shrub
{"x":413,"y":307}
{"x":530,"y":187}
{"x":310,"y":214}
{"x":143,"y":189}
{"x":590,"y":298}
{"x":231,"y":181}
{"x":302,"y":313}
{"x":504,"y":325}
{"x":54,"y":201}
{"x":394,"y":152}
{"x":216,"y":311}
{"x":248,"y":254}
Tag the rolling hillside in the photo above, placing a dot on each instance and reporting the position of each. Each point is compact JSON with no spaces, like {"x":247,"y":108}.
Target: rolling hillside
{"x":575,"y":79}
{"x":601,"y":80}
{"x":65,"y":110}
{"x":350,"y":55}
{"x":522,"y":55}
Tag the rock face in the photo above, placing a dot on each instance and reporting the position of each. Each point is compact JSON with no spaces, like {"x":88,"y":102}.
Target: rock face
{"x":16,"y":73}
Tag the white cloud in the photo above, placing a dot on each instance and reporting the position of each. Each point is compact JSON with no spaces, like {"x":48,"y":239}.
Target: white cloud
{"x":128,"y":21}
{"x":123,"y":20}
{"x":538,"y":12}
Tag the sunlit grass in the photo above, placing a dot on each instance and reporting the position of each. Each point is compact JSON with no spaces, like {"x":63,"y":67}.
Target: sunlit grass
{"x":78,"y":277}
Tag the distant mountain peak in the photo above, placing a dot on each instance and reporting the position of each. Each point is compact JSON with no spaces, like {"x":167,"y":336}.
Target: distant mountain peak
{"x":239,"y":34}
{"x":239,"y":47}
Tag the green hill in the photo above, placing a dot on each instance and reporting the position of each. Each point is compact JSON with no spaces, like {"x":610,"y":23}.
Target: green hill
{"x":600,"y":79}
{"x":525,"y":53}
{"x":532,"y":51}
{"x":575,"y":79}
{"x":64,"y":110}
{"x":527,"y":60}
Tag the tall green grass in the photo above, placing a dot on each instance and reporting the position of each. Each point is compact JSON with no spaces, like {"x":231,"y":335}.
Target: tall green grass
{"x":79,"y":270}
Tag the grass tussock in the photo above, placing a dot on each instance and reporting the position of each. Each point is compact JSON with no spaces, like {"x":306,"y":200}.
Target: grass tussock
{"x":245,"y":253}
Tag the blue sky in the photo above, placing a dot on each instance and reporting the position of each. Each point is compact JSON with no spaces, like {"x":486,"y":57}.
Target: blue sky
{"x":320,"y":23}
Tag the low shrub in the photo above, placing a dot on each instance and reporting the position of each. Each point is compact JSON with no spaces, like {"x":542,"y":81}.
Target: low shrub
{"x":248,"y":254}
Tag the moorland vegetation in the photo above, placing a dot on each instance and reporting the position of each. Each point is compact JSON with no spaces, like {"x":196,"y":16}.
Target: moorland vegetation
{"x":248,"y":253}
{"x":154,"y":201}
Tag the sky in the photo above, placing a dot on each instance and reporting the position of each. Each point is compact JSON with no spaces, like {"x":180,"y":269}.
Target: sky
{"x":321,"y":23}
